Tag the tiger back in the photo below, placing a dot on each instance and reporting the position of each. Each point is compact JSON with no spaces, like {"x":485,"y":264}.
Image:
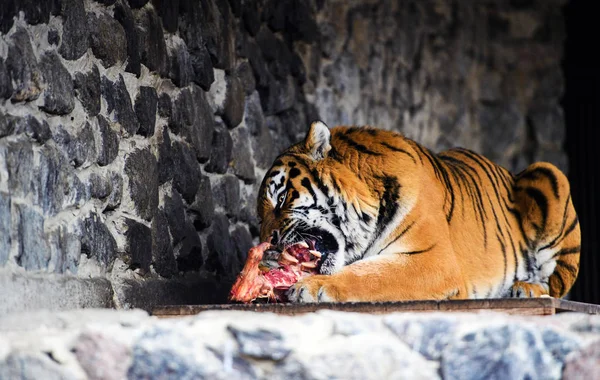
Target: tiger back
{"x":395,"y":221}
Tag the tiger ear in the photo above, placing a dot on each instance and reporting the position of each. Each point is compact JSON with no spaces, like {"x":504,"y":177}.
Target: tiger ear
{"x":317,"y":140}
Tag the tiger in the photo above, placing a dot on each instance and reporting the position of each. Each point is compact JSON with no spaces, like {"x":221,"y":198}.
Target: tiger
{"x":394,"y":221}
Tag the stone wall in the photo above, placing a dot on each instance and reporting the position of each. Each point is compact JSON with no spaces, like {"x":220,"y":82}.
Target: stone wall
{"x":134,"y":134}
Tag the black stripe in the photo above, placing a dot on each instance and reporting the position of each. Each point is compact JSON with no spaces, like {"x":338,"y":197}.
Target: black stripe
{"x":428,"y":157}
{"x":294,"y":172}
{"x":563,"y":233}
{"x":336,"y":186}
{"x":503,"y":248}
{"x":320,"y":185}
{"x":365,"y":217}
{"x":449,"y":187}
{"x":570,"y":268}
{"x":404,"y":231}
{"x":533,"y":174}
{"x":352,"y":130}
{"x":528,"y":260}
{"x":301,"y":160}
{"x":399,"y":150}
{"x":540,"y":199}
{"x":442,"y":174}
{"x":512,"y":244}
{"x":567,"y":251}
{"x":359,"y":147}
{"x":308,"y":185}
{"x":561,"y":282}
{"x":417,"y":252}
{"x":459,"y":170}
{"x":485,"y":165}
{"x":295,"y":195}
{"x":572,"y":226}
{"x":388,"y":204}
{"x":519,"y":218}
{"x":476,"y":198}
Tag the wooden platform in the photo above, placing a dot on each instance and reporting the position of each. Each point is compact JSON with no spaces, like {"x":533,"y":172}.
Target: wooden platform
{"x":526,"y":306}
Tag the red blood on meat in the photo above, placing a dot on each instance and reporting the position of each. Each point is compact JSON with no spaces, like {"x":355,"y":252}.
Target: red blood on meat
{"x":299,"y":252}
{"x":252,"y":283}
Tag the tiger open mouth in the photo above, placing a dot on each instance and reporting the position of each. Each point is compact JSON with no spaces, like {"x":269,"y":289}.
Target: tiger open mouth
{"x":322,"y":241}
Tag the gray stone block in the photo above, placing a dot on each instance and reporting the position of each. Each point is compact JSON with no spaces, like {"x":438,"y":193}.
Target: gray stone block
{"x":153,"y":46}
{"x":94,"y":350}
{"x":221,"y":250}
{"x":97,"y":241}
{"x":165,"y":157}
{"x":114,"y":199}
{"x":192,"y":118}
{"x":181,"y":70}
{"x":241,"y":158}
{"x":164,"y":105}
{"x":202,"y":209}
{"x":107,"y":39}
{"x":226,"y":193}
{"x":139,"y":245}
{"x":246,"y":77}
{"x":56,"y":186}
{"x":29,"y":125}
{"x":186,"y":171}
{"x":87,"y":88}
{"x":142,"y":172}
{"x":108,"y":141}
{"x":23,"y":68}
{"x":124,"y":15}
{"x":162,"y":246}
{"x":502,"y":352}
{"x":6,"y":88}
{"x":33,"y":366}
{"x":65,"y":250}
{"x":119,"y":102}
{"x":33,"y":252}
{"x":174,"y":211}
{"x":145,"y":109}
{"x":5,"y":227}
{"x":99,"y":185}
{"x":220,"y":155}
{"x":75,"y":30}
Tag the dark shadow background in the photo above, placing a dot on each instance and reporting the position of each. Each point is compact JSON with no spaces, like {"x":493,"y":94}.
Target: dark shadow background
{"x":581,"y":104}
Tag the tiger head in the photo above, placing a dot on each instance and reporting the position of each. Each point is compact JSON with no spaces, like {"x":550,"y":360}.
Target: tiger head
{"x":315,"y":191}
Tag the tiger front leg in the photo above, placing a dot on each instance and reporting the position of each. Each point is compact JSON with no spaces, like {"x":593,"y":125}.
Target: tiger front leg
{"x":397,"y":277}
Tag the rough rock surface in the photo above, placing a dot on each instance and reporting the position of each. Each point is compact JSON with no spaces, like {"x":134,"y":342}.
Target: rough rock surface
{"x":101,"y":344}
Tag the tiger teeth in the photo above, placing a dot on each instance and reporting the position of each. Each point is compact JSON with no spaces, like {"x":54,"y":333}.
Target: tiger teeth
{"x":288,"y":257}
{"x":309,"y":265}
{"x":315,"y":253}
{"x":303,"y":244}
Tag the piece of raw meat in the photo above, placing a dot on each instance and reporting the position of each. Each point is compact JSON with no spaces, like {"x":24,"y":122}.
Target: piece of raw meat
{"x":264,"y":277}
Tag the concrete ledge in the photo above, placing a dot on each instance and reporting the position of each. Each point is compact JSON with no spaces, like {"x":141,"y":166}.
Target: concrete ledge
{"x":21,"y":291}
{"x":26,"y":292}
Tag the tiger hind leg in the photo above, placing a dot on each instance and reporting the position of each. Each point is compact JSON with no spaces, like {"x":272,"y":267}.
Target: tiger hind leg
{"x":522,"y":289}
{"x":550,"y":227}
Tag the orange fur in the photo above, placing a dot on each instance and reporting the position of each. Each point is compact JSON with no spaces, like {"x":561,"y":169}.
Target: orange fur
{"x":451,"y":225}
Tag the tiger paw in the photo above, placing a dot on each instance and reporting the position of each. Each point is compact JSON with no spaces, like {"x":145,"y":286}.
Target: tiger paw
{"x":521,"y":289}
{"x":317,"y":288}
